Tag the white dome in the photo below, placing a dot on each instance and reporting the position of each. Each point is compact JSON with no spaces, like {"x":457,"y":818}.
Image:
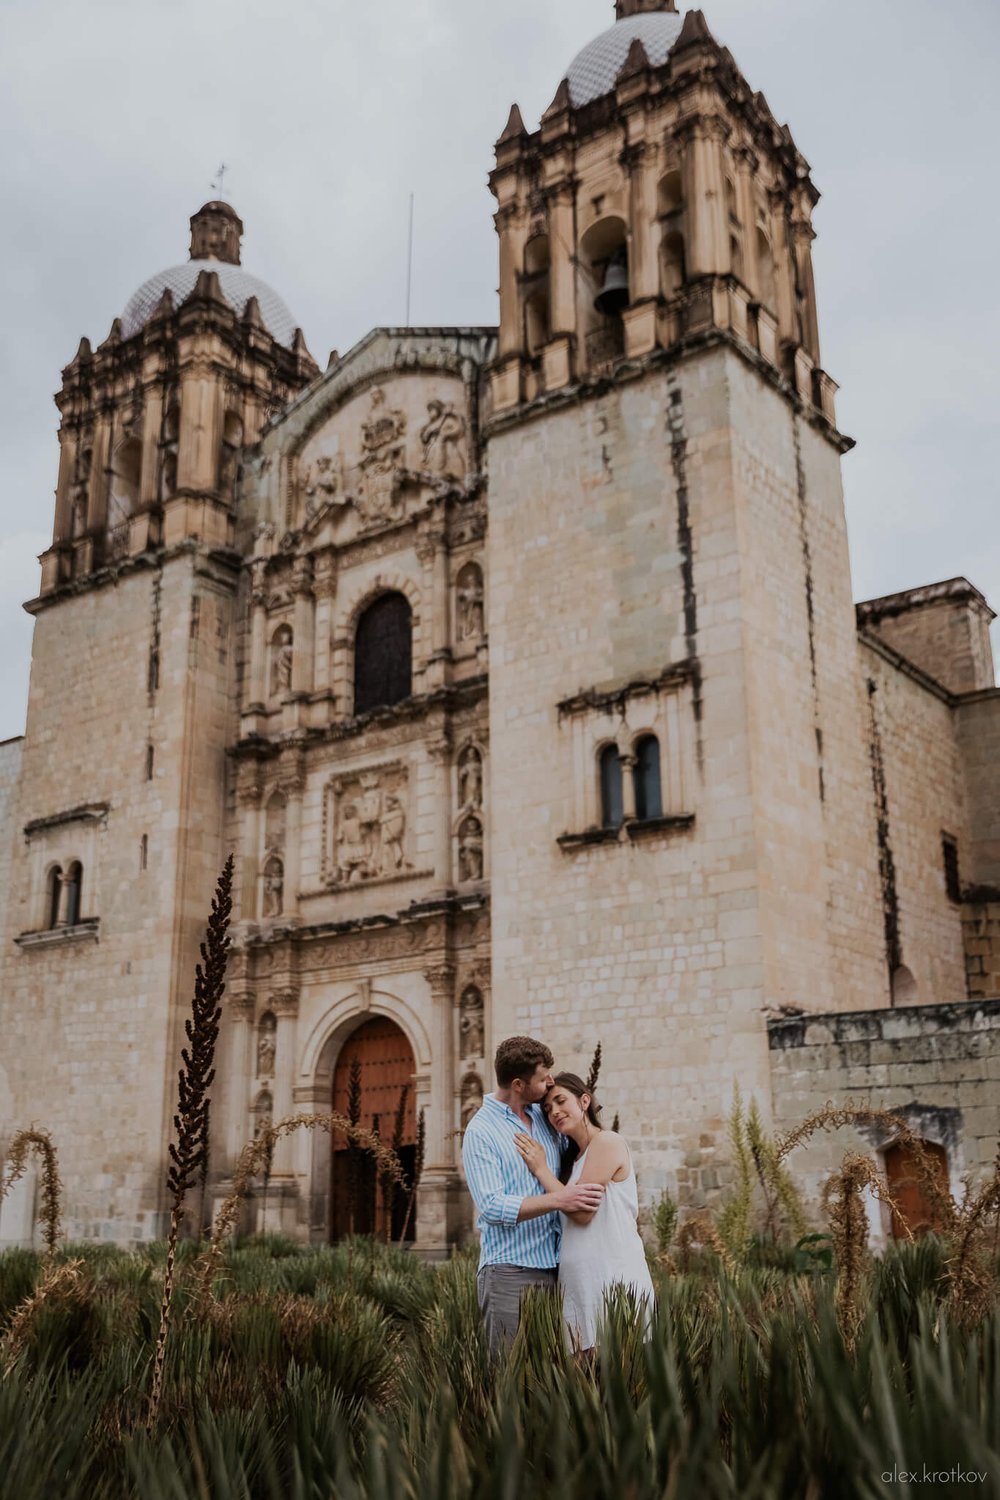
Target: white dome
{"x":238,"y":286}
{"x":594,"y":70}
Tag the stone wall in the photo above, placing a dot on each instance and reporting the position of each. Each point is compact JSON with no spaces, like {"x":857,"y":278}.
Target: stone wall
{"x":92,"y":1012}
{"x":10,"y":769}
{"x":936,"y":1065}
{"x":915,"y":749}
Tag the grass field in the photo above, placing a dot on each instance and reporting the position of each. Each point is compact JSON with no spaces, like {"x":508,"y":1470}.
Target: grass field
{"x":360,"y":1371}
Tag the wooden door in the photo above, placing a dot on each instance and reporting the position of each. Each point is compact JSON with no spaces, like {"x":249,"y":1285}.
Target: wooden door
{"x":907,"y":1190}
{"x":385,"y":1064}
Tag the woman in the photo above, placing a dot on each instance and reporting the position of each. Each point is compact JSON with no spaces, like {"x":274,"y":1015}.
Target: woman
{"x":600,"y":1250}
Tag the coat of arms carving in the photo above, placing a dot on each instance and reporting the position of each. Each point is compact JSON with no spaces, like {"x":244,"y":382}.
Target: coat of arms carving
{"x":366,"y":825}
{"x":383,"y":438}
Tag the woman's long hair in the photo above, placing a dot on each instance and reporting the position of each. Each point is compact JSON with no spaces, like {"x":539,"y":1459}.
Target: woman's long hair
{"x":575,"y":1085}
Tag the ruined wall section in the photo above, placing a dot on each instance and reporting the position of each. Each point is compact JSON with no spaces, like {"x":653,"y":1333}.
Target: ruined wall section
{"x":937,"y":1065}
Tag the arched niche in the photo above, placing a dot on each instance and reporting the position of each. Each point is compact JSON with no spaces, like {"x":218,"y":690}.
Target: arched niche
{"x":535,"y":292}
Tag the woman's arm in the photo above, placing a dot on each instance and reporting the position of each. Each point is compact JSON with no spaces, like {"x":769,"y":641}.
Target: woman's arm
{"x":606,"y":1154}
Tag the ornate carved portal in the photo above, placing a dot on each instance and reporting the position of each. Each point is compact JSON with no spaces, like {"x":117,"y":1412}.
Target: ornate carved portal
{"x":366,"y":827}
{"x":375,"y":1067}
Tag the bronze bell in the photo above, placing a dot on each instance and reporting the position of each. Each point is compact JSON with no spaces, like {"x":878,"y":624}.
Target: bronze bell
{"x":613,"y":296}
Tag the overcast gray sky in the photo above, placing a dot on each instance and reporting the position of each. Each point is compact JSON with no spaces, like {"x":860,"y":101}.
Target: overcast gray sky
{"x":115,"y":114}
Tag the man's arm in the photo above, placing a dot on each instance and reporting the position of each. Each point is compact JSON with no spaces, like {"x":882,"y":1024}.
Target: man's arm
{"x":485,"y":1179}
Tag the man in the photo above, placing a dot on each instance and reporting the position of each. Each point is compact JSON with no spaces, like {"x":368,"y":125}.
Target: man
{"x":519,"y":1227}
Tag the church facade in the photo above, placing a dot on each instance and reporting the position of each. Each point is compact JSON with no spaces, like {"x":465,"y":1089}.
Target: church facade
{"x":519,"y":668}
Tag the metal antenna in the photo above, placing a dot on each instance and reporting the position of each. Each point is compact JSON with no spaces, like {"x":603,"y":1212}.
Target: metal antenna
{"x":409,"y":265}
{"x":218,"y":186}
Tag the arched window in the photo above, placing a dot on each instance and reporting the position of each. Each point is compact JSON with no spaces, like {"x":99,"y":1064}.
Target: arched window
{"x":648,"y":796}
{"x":904,"y":986}
{"x":765,"y":271}
{"x":612,"y":803}
{"x":383,"y":654}
{"x":123,"y":497}
{"x":53,"y":896}
{"x":74,"y":888}
{"x":229,"y":458}
{"x":536,"y":293}
{"x":673,"y":264}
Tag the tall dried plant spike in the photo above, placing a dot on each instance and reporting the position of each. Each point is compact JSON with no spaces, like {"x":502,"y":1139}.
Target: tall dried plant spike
{"x":595,"y":1070}
{"x":189,"y":1155}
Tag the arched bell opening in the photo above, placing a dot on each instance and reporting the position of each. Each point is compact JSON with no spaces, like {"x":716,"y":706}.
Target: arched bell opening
{"x":123,"y":494}
{"x":535,"y":294}
{"x":605,"y":291}
{"x":373,"y":1086}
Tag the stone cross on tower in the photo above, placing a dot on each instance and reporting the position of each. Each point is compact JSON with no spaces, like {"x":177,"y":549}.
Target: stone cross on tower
{"x":625,"y":8}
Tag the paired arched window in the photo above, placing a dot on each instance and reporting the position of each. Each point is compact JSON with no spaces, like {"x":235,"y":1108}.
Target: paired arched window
{"x":63,"y":895}
{"x":647,"y":794}
{"x":383,"y":654}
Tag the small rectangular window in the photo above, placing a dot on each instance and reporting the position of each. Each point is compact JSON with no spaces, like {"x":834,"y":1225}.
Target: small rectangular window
{"x":149,"y":762}
{"x":144,"y":851}
{"x":952,"y":882}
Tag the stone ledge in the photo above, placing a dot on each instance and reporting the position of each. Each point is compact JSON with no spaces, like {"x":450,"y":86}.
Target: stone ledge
{"x":57,"y":937}
{"x":631,"y":829}
{"x":897,"y":1023}
{"x":88,"y":812}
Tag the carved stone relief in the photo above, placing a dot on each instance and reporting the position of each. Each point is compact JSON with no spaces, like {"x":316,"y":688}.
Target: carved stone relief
{"x":443,"y":440}
{"x":366,"y":825}
{"x":472,"y":1097}
{"x":323,"y":483}
{"x":470,"y":600}
{"x":384,"y":456}
{"x":471,"y":1023}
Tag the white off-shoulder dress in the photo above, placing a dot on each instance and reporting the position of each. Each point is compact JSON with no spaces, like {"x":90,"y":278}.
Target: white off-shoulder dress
{"x":605,"y":1253}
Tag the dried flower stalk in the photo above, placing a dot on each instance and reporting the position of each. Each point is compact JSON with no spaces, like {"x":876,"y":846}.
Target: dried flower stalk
{"x":16,"y":1164}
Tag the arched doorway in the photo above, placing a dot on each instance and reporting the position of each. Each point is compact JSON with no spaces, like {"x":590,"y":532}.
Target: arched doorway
{"x":908,"y":1190}
{"x":375,"y":1065}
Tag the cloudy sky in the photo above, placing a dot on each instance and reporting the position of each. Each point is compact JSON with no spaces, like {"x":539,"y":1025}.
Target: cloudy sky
{"x":116,"y":113}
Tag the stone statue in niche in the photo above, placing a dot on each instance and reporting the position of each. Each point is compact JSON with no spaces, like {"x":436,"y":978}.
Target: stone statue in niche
{"x":267,"y":1046}
{"x":470,"y":598}
{"x":470,"y":849}
{"x":384,"y":456}
{"x":443,"y":439}
{"x":282,"y":655}
{"x":471,"y":1023}
{"x":274,"y":887}
{"x":229,"y":463}
{"x":263,"y":1113}
{"x":472,"y":1097}
{"x":368,"y":815}
{"x":470,"y":779}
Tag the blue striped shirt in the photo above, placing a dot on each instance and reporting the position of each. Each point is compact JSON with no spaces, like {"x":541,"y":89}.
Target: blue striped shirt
{"x":498,"y":1179}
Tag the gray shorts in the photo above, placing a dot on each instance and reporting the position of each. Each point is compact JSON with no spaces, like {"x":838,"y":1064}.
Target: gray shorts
{"x":500,"y":1289}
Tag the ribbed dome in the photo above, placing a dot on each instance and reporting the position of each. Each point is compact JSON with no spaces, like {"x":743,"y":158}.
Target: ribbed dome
{"x":594,"y":70}
{"x":238,"y":286}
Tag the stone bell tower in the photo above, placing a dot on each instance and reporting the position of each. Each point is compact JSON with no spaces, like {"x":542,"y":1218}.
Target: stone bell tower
{"x":682,"y":816}
{"x":122,"y":786}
